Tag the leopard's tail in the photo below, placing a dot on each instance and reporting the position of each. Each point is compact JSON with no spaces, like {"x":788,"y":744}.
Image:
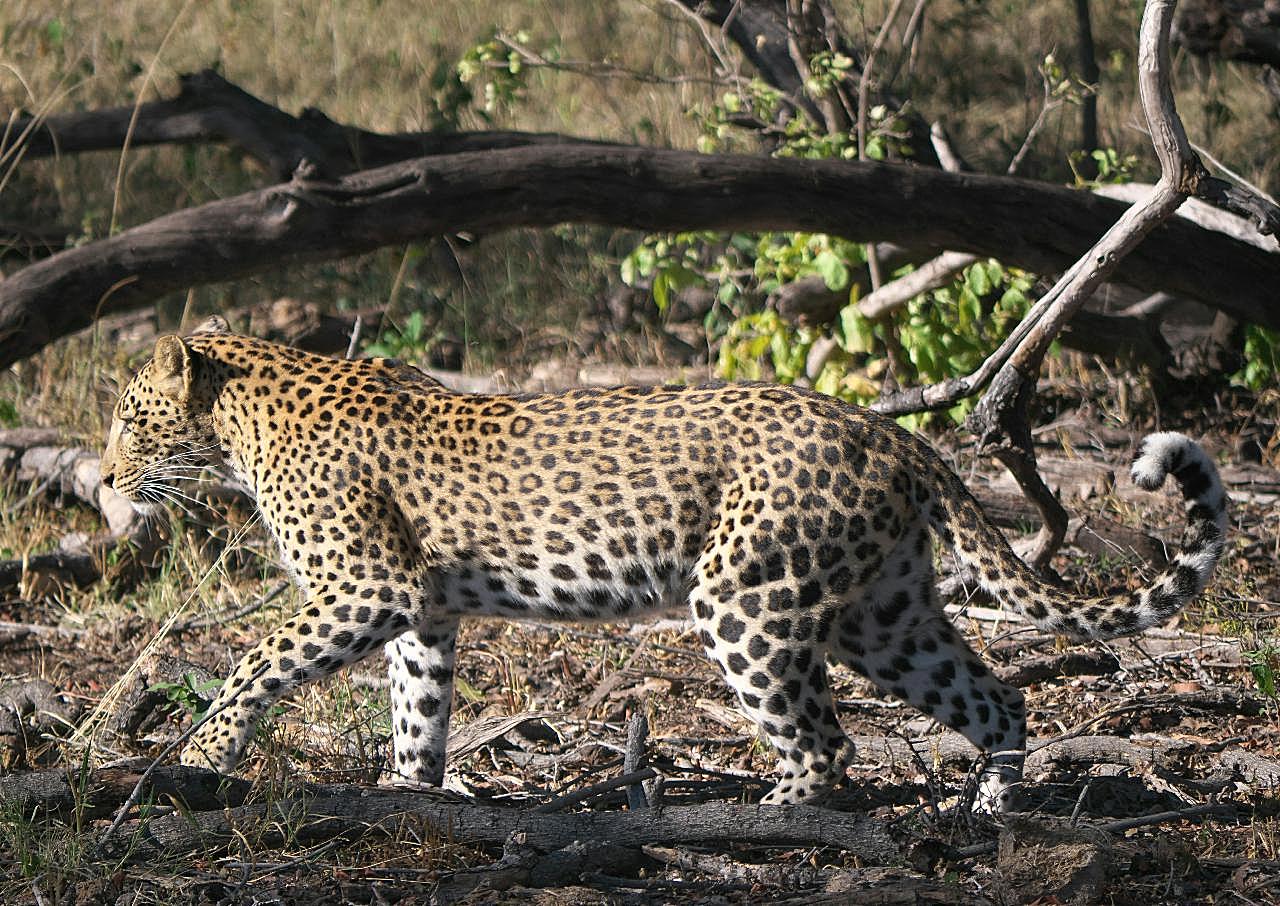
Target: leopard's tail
{"x":984,"y":551}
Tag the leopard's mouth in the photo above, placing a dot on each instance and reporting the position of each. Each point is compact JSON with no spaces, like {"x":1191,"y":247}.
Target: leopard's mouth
{"x":145,"y":508}
{"x":141,"y":505}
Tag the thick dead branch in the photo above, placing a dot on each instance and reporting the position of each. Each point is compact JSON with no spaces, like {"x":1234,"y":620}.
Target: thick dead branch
{"x":1026,"y":224}
{"x":360,"y":812}
{"x":1197,"y":211}
{"x":100,"y":792}
{"x":953,"y":749}
{"x":208,"y":108}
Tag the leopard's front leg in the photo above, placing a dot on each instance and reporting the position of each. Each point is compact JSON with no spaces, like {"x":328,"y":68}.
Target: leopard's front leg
{"x":420,"y":670}
{"x":337,"y":627}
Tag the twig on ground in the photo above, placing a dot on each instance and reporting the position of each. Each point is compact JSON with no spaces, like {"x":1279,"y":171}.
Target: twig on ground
{"x":239,"y":613}
{"x":595,"y":789}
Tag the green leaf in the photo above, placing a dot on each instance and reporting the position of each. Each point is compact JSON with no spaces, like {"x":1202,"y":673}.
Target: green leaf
{"x":414,"y":327}
{"x":681,"y":277}
{"x":661,"y":290}
{"x":859,"y":334}
{"x":828,"y":381}
{"x":969,"y":309}
{"x":923,"y":359}
{"x":638,"y":264}
{"x":1013,"y":300}
{"x":975,"y":279}
{"x":833,"y":270}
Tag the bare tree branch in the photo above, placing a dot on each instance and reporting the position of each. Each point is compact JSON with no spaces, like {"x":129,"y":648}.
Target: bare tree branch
{"x":208,"y":108}
{"x":1000,"y":417}
{"x":930,"y":275}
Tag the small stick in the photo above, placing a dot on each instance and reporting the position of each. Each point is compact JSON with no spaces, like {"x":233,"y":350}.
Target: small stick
{"x":355,"y":336}
{"x":589,"y":792}
{"x":201,"y":622}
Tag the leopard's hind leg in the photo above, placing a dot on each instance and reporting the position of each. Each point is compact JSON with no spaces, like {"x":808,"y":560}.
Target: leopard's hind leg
{"x":777,"y":666}
{"x":765,"y":607}
{"x":900,"y":638}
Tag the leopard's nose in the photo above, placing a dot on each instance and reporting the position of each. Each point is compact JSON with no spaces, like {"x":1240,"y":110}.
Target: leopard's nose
{"x":109,"y":479}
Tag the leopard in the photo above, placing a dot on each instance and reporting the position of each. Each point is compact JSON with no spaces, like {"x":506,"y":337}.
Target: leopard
{"x":797,"y":529}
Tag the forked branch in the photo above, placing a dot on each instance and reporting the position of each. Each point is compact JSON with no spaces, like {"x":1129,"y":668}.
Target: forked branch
{"x":1000,"y":419}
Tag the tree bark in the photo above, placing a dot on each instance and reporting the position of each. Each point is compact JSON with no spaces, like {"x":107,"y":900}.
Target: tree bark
{"x":1027,"y":224}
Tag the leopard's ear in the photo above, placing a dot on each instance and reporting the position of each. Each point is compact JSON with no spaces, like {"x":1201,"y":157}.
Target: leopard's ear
{"x":213,"y":324}
{"x":172,"y":368}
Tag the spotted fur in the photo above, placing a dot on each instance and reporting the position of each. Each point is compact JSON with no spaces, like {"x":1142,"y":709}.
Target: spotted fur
{"x":797,"y":527}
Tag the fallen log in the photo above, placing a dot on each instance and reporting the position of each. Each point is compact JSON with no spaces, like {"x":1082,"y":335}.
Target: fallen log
{"x":98,"y":793}
{"x":383,"y":812}
{"x":1053,"y":666}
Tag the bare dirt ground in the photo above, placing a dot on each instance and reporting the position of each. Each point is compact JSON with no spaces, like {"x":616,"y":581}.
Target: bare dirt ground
{"x":1154,"y":774}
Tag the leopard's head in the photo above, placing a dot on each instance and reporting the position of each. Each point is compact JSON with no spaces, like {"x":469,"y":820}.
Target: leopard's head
{"x":162,"y":427}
